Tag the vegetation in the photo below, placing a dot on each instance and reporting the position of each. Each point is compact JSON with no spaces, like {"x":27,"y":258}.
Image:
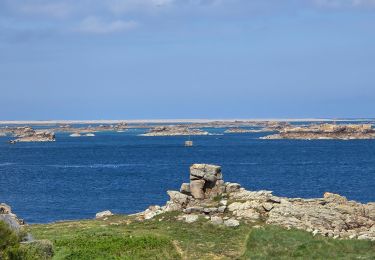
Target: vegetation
{"x":12,"y":249}
{"x":277,"y":243}
{"x":122,"y":237}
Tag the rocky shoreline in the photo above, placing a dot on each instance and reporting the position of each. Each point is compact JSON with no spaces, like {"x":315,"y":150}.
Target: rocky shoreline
{"x":229,"y":204}
{"x":225,"y":203}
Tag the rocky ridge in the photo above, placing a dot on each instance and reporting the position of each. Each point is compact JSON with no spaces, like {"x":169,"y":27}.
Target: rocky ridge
{"x":34,"y":136}
{"x":228,"y":204}
{"x":27,"y":134}
{"x":235,"y":130}
{"x":325,"y":131}
{"x":174,"y":131}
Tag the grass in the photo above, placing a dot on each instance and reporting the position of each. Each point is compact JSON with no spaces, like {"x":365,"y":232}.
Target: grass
{"x":122,"y":237}
{"x":107,"y":246}
{"x":12,"y":249}
{"x":273,"y":242}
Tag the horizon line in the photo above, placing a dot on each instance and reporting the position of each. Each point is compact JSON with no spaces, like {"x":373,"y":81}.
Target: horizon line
{"x":196,"y":120}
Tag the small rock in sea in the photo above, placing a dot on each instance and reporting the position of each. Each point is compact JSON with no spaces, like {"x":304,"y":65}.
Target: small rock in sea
{"x":103,"y":214}
{"x":231,"y":223}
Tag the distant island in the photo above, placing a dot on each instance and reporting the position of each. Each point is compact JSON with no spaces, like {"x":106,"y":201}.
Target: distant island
{"x":306,"y":130}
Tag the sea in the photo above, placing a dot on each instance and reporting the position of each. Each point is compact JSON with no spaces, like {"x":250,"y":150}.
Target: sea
{"x":74,"y":178}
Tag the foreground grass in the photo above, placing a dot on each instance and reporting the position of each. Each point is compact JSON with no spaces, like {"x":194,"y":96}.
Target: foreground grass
{"x":121,"y":237}
{"x":11,"y":247}
{"x":273,"y":242}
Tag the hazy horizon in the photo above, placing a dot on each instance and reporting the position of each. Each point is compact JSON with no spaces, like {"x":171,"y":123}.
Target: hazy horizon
{"x":178,"y":120}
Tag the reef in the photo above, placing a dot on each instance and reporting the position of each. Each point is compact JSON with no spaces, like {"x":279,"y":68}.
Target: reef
{"x":174,"y":131}
{"x":325,"y":131}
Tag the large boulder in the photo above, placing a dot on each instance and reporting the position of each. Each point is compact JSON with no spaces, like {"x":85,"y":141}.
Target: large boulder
{"x":103,"y":214}
{"x":197,"y":189}
{"x":206,"y":181}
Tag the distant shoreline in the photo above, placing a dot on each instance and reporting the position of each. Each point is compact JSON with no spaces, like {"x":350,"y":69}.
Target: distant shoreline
{"x":144,"y":121}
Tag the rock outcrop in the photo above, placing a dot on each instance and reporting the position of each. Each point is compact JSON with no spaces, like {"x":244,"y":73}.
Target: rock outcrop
{"x":325,"y":131}
{"x":236,"y":130}
{"x":174,"y":131}
{"x":228,"y":204}
{"x":9,"y":218}
{"x":27,"y":134}
{"x":103,"y":214}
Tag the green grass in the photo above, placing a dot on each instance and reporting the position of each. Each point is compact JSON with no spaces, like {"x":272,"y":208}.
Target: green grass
{"x":277,"y":243}
{"x":109,"y":246}
{"x":12,"y":249}
{"x":122,"y":237}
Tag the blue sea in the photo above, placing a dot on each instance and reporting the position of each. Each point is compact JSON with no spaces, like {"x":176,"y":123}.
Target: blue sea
{"x":74,"y":178}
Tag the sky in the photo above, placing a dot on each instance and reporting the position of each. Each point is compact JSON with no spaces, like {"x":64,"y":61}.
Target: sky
{"x":166,"y":59}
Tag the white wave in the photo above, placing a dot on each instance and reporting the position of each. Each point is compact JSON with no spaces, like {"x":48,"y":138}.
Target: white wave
{"x":6,"y":164}
{"x":91,"y":165}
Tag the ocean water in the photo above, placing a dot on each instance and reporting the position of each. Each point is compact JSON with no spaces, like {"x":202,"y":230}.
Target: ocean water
{"x":73,"y":178}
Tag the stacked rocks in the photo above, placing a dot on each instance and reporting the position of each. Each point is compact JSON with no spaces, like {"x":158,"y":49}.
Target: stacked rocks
{"x":205,"y":182}
{"x":228,"y":203}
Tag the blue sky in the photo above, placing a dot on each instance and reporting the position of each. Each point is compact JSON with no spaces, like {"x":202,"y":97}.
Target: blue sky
{"x":144,"y":59}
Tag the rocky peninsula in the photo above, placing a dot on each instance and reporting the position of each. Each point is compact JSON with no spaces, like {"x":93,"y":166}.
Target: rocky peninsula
{"x":178,"y":130}
{"x":325,"y":131}
{"x":229,"y":204}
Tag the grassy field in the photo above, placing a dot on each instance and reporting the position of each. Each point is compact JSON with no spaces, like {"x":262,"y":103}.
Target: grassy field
{"x":121,"y":237}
